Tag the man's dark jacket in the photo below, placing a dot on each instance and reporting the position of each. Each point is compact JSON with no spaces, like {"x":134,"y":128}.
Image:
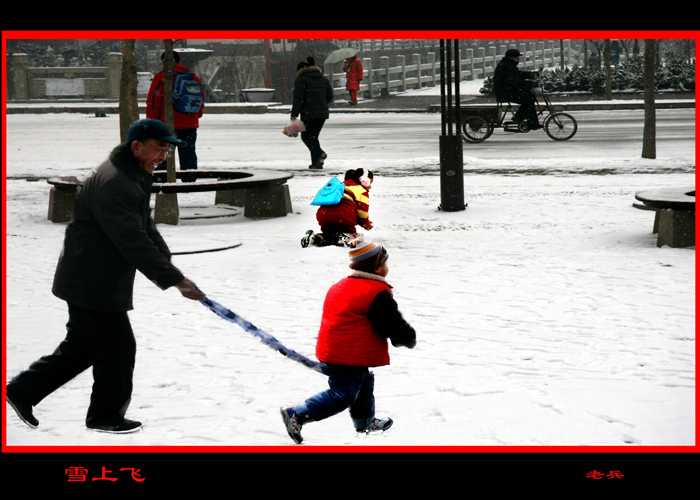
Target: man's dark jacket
{"x":112,"y":235}
{"x":509,"y":83}
{"x":312,"y":93}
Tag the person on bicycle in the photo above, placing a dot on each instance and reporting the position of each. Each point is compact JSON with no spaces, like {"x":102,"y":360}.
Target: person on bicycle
{"x":513,"y":85}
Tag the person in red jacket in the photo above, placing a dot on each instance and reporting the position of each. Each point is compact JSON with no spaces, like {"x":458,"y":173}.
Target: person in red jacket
{"x":338,"y":222}
{"x":360,"y":316}
{"x":353,"y":74}
{"x":186,"y":124}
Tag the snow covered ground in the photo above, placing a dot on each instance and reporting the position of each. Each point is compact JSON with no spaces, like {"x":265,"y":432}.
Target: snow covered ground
{"x":546,"y":315}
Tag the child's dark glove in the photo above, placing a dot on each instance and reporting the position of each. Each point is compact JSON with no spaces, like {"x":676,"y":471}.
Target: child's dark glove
{"x":411,"y":344}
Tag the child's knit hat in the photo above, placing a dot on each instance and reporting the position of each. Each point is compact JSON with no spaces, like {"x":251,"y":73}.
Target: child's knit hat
{"x":362,"y":249}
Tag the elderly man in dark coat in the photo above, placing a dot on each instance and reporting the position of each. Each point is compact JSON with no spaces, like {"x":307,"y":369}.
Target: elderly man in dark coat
{"x":111,"y":236}
{"x":512,"y":85}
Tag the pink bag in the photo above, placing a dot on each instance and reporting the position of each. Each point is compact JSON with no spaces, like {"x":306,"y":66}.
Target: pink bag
{"x":293,"y":129}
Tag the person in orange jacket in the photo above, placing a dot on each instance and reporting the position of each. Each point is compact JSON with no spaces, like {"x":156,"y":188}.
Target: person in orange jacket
{"x":353,"y":74}
{"x":186,"y":124}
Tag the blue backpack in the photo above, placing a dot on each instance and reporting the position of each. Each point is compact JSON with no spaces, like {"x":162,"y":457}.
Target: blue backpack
{"x":330,"y":194}
{"x":187,"y":93}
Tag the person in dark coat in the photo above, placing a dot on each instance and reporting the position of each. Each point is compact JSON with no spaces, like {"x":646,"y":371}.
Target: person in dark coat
{"x":312,"y":94}
{"x":111,"y":236}
{"x":512,"y":85}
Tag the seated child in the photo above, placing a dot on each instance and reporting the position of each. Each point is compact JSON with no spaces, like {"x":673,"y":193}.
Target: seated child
{"x":359,"y":315}
{"x":338,"y":221}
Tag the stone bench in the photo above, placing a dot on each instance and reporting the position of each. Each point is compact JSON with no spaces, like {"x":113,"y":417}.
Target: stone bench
{"x":674,"y":221}
{"x":262,"y":193}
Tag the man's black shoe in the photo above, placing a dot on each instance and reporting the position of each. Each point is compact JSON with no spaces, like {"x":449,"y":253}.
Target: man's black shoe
{"x":23,"y":410}
{"x":124,"y":427}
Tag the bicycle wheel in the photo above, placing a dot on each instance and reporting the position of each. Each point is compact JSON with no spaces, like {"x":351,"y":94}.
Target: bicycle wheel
{"x":560,"y":126}
{"x":475,"y":129}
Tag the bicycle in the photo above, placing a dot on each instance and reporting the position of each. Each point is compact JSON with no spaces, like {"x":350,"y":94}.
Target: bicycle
{"x":481,"y":121}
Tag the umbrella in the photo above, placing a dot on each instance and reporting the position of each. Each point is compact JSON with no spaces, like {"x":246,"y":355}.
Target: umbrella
{"x":340,"y":54}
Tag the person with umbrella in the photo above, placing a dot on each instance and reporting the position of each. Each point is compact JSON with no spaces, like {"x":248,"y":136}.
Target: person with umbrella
{"x":352,"y":68}
{"x":353,"y":74}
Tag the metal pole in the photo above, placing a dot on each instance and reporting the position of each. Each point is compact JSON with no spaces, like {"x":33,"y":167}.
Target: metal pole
{"x":448,"y":70}
{"x":451,"y":161}
{"x":442,"y":87}
{"x":458,"y":79}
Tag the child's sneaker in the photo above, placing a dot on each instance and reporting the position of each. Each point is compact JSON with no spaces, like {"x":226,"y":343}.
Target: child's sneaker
{"x":289,"y":417}
{"x":343,"y":239}
{"x":308,"y":239}
{"x":377,"y":425}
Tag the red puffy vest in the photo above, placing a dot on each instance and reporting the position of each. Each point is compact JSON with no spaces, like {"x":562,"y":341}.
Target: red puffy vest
{"x":346,"y":336}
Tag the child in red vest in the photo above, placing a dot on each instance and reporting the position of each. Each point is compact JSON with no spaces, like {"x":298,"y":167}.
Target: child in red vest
{"x":338,"y":222}
{"x":360,"y":315}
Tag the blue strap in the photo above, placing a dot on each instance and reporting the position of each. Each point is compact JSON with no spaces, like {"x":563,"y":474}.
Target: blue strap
{"x":265,"y":338}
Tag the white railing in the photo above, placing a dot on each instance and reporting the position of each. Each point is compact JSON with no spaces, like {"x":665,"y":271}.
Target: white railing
{"x":474,"y":64}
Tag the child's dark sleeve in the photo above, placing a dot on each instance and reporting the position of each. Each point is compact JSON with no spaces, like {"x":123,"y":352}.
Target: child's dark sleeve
{"x":388,"y":322}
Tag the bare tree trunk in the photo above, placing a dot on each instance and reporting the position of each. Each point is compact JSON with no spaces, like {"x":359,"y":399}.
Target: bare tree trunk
{"x":128,"y":103}
{"x":649,"y":141}
{"x":167,"y":210}
{"x":169,"y":66}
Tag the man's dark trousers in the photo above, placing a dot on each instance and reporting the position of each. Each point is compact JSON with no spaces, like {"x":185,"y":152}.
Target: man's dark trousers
{"x":104,"y":341}
{"x":187,"y":154}
{"x":527,"y":110}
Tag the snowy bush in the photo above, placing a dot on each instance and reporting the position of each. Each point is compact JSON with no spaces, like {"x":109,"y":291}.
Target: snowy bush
{"x":627,"y":76}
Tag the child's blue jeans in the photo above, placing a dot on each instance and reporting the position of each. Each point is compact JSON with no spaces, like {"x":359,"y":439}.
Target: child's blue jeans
{"x":349,"y":387}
